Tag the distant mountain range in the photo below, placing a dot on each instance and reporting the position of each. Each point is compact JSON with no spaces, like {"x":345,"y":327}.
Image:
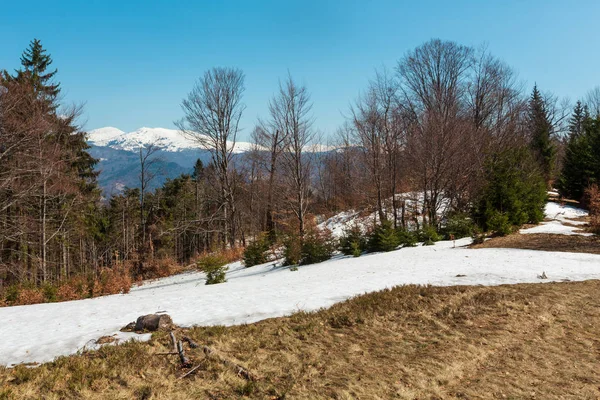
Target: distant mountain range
{"x":118,"y":155}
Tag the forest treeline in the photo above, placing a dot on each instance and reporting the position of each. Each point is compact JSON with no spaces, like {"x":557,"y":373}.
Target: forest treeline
{"x":450,"y":122}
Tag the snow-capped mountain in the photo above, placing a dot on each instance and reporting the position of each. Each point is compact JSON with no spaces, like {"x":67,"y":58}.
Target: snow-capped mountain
{"x":170,"y":140}
{"x":118,"y":157}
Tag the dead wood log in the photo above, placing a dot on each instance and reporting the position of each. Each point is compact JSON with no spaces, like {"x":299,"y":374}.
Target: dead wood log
{"x":190,"y":342}
{"x":185,"y":362}
{"x":174,"y":342}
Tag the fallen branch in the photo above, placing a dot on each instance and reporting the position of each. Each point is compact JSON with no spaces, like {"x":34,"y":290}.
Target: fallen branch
{"x":174,"y":342}
{"x":189,"y":341}
{"x":185,"y":362}
{"x":191,"y":371}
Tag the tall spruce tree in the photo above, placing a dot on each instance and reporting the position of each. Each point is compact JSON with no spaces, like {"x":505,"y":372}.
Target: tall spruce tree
{"x":580,"y":114}
{"x":540,"y":129}
{"x":35,"y":64}
{"x":581,"y":166}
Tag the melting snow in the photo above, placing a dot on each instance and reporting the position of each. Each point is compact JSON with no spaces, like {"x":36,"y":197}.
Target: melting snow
{"x":558,"y":216}
{"x":39,"y":333}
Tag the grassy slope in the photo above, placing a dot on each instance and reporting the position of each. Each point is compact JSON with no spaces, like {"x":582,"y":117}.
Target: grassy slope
{"x":522,"y":341}
{"x":545,"y":242}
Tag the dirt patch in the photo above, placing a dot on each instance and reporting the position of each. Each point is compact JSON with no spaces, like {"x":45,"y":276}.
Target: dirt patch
{"x":545,"y":242}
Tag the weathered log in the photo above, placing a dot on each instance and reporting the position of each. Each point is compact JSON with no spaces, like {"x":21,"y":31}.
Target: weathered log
{"x":153,"y":322}
{"x":174,"y":341}
{"x":189,"y":341}
{"x":185,"y":362}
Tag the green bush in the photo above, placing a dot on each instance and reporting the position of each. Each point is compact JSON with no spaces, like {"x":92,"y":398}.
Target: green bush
{"x":292,"y":250}
{"x":11,"y":293}
{"x":407,"y":238}
{"x":317,"y":246}
{"x":514,"y":192}
{"x":256,"y":252}
{"x":499,"y":223}
{"x":460,"y":225}
{"x":214,"y":266}
{"x":353,"y":243}
{"x":383,"y":238}
{"x":50,"y":292}
{"x":428,"y":235}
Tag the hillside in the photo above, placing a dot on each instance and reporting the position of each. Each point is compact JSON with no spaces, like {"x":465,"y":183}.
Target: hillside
{"x":528,"y":341}
{"x":270,"y":290}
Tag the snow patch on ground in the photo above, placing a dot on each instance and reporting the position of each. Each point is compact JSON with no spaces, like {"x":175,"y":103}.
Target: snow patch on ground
{"x":41,"y":332}
{"x":560,"y":215}
{"x":413,"y":203}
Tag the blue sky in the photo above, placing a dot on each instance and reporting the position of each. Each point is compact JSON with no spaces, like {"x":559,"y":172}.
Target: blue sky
{"x":131,"y":62}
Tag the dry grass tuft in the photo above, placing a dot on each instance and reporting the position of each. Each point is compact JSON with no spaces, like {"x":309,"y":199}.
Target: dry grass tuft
{"x":523,"y":341}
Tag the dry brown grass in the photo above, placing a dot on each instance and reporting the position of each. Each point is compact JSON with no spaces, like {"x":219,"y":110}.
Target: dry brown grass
{"x":534,"y":341}
{"x":545,"y":242}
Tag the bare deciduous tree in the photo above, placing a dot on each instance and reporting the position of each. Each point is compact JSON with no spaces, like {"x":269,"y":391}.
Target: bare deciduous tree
{"x":592,"y":101}
{"x":148,"y":172}
{"x":290,"y":114}
{"x":213,"y":110}
{"x":433,"y":81}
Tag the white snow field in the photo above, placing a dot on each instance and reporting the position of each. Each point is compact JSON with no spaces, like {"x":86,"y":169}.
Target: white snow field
{"x":39,"y":333}
{"x":559,"y":215}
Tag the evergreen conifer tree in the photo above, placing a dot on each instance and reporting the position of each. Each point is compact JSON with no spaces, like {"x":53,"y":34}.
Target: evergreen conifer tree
{"x":580,"y":113}
{"x":540,"y":129}
{"x":514,"y":193}
{"x":581,"y":166}
{"x":35,"y":63}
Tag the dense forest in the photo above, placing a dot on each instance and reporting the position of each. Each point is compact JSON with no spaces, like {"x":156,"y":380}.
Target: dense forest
{"x":449,"y":123}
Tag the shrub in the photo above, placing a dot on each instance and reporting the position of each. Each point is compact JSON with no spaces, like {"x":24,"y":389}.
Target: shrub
{"x":353,"y":243}
{"x":460,"y":225}
{"x":292,"y":250}
{"x":158,"y":268}
{"x":30,"y":296}
{"x":11,"y":294}
{"x":114,"y":281}
{"x":214,"y":266}
{"x":73,"y":289}
{"x":383,"y":238}
{"x":256,"y":252}
{"x":428,"y":235}
{"x":50,"y":292}
{"x":317,"y":246}
{"x":499,"y":223}
{"x":514,"y":192}
{"x":407,"y":238}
